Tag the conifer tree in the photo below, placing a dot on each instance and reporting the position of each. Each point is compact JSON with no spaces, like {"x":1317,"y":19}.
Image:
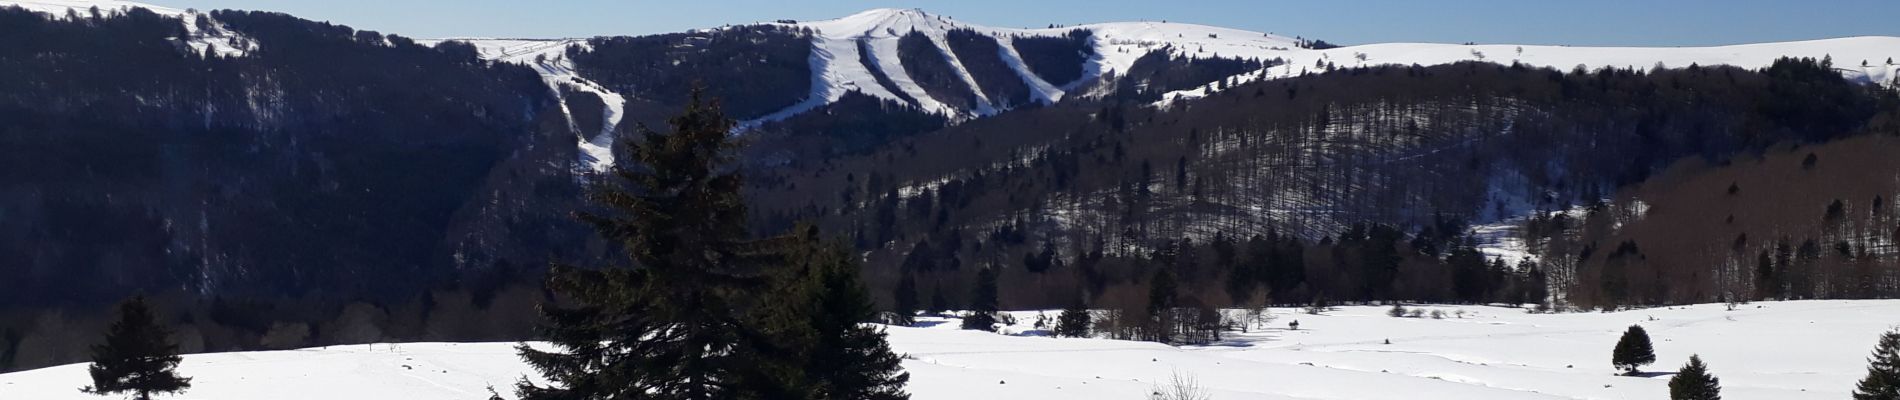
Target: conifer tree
{"x":983,"y":302}
{"x":1074,"y":321}
{"x":137,"y":357}
{"x":1633,"y":350}
{"x":905,"y":295}
{"x":1883,"y":371}
{"x":938,"y":303}
{"x":1693,"y":382}
{"x":825,"y":339}
{"x":1161,"y":302}
{"x":666,"y":326}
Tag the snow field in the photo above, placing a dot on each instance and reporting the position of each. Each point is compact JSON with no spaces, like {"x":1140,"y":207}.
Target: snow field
{"x":1768,"y":350}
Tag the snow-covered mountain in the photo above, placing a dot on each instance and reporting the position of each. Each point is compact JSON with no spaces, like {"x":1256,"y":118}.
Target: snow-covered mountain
{"x":851,"y":53}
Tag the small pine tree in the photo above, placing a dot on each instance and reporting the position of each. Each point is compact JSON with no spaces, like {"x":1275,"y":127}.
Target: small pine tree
{"x":137,"y":357}
{"x":1693,"y":382}
{"x":983,"y":302}
{"x":1397,"y":311}
{"x":1633,"y":350}
{"x":1074,"y":321}
{"x":1883,"y":371}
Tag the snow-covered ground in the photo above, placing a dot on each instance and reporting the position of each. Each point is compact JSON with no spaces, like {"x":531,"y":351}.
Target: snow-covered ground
{"x":1770,"y":350}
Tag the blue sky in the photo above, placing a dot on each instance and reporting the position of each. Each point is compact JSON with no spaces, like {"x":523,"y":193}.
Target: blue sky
{"x":1597,"y":22}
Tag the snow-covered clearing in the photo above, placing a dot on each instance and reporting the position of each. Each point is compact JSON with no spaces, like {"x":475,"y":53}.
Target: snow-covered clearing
{"x":1770,"y":350}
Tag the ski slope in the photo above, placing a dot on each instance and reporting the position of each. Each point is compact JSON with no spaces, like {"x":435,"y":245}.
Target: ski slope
{"x":835,"y":60}
{"x":548,"y":57}
{"x":1770,"y":350}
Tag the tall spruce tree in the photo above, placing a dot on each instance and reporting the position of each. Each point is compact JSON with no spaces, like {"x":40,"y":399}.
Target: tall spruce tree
{"x":1161,"y":303}
{"x":667,"y":326}
{"x":983,"y":302}
{"x":1883,"y":371}
{"x":137,"y":357}
{"x":1693,"y":382}
{"x":826,"y":338}
{"x":1074,"y":321}
{"x":905,"y":310}
{"x":1633,"y":350}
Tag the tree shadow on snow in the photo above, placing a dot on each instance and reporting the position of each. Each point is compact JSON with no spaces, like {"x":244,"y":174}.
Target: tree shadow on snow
{"x":1650,"y":374}
{"x":927,"y":324}
{"x":1035,"y":332}
{"x":1247,"y":339}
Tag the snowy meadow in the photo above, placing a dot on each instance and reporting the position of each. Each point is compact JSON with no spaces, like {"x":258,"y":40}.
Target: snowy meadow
{"x":1765,"y":350}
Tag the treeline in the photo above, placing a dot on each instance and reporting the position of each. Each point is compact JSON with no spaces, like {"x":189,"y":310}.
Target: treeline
{"x":1799,"y":222}
{"x":754,"y":69}
{"x":982,"y":56}
{"x":1056,"y":59}
{"x":856,"y":123}
{"x":929,"y":66}
{"x":499,"y":307}
{"x":1366,"y":264}
{"x":1161,"y":71}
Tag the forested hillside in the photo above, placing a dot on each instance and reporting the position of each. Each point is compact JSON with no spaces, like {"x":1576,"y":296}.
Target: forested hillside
{"x":1373,"y":172}
{"x":328,"y":164}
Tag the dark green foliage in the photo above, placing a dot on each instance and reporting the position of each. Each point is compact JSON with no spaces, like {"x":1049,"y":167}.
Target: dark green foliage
{"x":905,"y":296}
{"x":1809,"y":98}
{"x":821,"y":329}
{"x":759,"y":69}
{"x":930,"y":68}
{"x":1693,"y":382}
{"x":1074,"y":321}
{"x":982,"y":302}
{"x":1056,"y":59}
{"x":1160,"y":72}
{"x":277,"y":184}
{"x":1883,"y":371}
{"x":982,"y":57}
{"x":1162,"y":300}
{"x":138,"y":356}
{"x":854,"y":124}
{"x":667,"y":326}
{"x":1633,"y":350}
{"x":1039,"y":262}
{"x":938,"y":302}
